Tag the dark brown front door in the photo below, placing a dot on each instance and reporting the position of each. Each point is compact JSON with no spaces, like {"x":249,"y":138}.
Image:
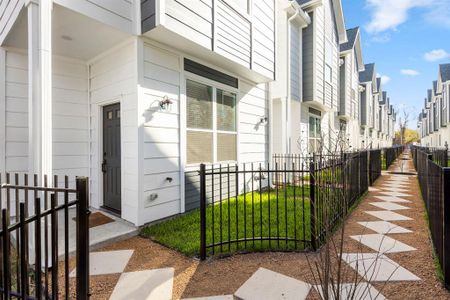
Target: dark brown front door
{"x":111,"y":165}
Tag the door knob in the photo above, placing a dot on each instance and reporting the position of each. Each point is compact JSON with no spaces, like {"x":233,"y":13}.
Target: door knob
{"x":104,"y":166}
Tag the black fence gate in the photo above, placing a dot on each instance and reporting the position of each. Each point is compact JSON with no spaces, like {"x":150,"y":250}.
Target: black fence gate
{"x":33,"y":266}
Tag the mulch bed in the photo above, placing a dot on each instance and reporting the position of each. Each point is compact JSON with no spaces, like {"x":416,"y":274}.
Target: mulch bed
{"x":226,"y":275}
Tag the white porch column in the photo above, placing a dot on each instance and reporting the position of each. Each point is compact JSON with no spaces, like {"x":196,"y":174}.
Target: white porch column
{"x":40,"y":86}
{"x":2,"y":110}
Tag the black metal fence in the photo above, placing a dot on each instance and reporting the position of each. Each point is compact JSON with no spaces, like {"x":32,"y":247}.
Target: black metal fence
{"x":438,"y":155}
{"x":32,"y":263}
{"x":375,"y":167}
{"x":434,"y":181}
{"x":391,"y":154}
{"x":291,"y":204}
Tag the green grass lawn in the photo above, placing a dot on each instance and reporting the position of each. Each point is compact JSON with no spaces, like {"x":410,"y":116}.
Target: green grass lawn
{"x":289,"y":216}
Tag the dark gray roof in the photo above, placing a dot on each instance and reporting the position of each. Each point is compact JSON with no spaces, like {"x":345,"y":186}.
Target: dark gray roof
{"x":378,"y":84}
{"x":351,"y":36}
{"x":444,"y":70}
{"x":435,"y":87}
{"x":383,"y":98}
{"x":429,"y":94}
{"x":367,"y":74}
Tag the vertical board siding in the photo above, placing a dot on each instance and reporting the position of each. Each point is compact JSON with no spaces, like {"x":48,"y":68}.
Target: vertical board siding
{"x":113,"y":79}
{"x":192,"y":19}
{"x":232,"y":36}
{"x":9,"y":11}
{"x":117,"y":13}
{"x":161,"y":134}
{"x":264,"y":37}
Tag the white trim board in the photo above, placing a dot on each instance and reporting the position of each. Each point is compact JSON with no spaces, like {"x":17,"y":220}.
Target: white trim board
{"x":2,"y":109}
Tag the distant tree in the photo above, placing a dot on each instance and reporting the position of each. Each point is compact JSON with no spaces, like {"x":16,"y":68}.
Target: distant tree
{"x":409,"y":136}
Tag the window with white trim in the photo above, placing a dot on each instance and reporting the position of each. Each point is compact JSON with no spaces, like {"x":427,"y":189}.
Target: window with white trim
{"x":210,"y":124}
{"x":314,"y":134}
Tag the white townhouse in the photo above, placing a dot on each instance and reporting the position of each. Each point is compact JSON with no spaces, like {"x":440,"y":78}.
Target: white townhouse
{"x":383,"y":107}
{"x":369,"y":107}
{"x":135,"y":94}
{"x":288,"y":132}
{"x":434,"y":118}
{"x":321,"y":47}
{"x":350,"y":105}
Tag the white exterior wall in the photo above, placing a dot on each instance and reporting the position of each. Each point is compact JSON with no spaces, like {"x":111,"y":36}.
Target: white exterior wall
{"x":287,"y":92}
{"x":159,"y":133}
{"x":113,"y":79}
{"x":70,"y":116}
{"x":162,"y":134}
{"x":244,"y":37}
{"x":16,"y":112}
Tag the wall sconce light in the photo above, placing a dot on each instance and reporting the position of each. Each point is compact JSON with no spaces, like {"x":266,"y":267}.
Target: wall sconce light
{"x":165,"y":103}
{"x":263,"y":120}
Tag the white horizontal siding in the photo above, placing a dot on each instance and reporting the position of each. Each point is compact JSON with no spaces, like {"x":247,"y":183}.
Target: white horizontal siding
{"x":192,"y":19}
{"x":16,"y":113}
{"x":233,"y":37}
{"x":253,"y":136}
{"x":70,"y":114}
{"x":69,"y":119}
{"x":264,"y":37}
{"x":160,"y":134}
{"x":113,"y":79}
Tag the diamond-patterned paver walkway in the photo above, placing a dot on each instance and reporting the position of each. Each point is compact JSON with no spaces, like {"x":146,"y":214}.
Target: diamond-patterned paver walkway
{"x":266,"y":284}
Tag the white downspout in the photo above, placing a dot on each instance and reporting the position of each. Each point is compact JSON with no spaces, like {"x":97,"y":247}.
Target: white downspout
{"x":288,"y":77}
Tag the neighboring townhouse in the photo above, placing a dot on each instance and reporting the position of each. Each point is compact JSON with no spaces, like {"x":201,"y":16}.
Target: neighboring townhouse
{"x":369,"y":107}
{"x":321,"y":45}
{"x":383,"y":107}
{"x":434,"y":118}
{"x":135,"y":95}
{"x":351,"y":64}
{"x":288,"y":132}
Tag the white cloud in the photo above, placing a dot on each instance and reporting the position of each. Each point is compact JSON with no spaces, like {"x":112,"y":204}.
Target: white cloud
{"x":439,"y":13}
{"x":384,"y":78}
{"x":409,"y":72}
{"x":381,"y":38}
{"x":389,"y":14}
{"x":435,"y":55}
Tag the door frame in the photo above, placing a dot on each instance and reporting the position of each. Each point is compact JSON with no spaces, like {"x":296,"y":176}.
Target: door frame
{"x":98,"y":112}
{"x":104,"y":206}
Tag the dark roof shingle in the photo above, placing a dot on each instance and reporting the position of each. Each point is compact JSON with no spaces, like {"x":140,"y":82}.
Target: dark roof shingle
{"x":367,"y":74}
{"x":444,"y":70}
{"x":351,"y":36}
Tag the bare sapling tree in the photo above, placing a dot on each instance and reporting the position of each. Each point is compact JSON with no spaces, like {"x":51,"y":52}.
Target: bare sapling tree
{"x":403,"y":123}
{"x":332,"y":277}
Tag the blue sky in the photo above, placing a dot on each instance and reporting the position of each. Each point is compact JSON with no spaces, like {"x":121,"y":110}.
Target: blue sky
{"x":407,"y":39}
